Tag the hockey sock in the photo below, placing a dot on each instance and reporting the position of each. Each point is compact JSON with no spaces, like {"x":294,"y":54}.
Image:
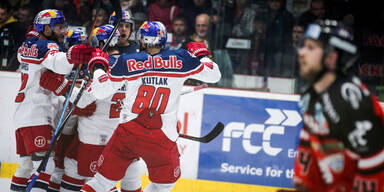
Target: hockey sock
{"x":54,"y":182}
{"x":20,"y":178}
{"x":69,"y":184}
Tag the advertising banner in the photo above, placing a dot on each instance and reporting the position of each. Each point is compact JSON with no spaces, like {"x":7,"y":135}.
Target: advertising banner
{"x":258,"y":144}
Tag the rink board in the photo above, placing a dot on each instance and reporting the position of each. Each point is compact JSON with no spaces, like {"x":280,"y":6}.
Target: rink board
{"x":255,"y":152}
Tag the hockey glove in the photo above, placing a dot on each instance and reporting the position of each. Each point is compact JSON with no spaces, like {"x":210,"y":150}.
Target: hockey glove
{"x":99,"y":59}
{"x":79,"y":54}
{"x":54,"y":82}
{"x":198,"y":49}
{"x":86,"y":111}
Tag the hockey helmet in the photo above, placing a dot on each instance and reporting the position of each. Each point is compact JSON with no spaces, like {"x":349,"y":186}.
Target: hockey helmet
{"x":49,"y":17}
{"x":152,"y":33}
{"x":334,"y":36}
{"x":73,"y":37}
{"x":126,"y":17}
{"x":102,"y":33}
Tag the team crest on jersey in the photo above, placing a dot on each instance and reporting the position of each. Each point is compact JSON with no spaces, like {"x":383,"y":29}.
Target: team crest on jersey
{"x":93,"y":166}
{"x":40,"y":141}
{"x":154,"y":63}
{"x":24,"y":50}
{"x":103,"y":139}
{"x":52,"y":46}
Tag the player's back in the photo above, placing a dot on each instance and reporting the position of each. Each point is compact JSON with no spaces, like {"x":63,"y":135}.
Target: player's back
{"x":156,"y":81}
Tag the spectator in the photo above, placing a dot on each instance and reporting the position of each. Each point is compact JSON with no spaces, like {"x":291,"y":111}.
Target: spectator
{"x":67,"y":7}
{"x":25,"y":16}
{"x":163,"y":11}
{"x":10,"y":37}
{"x":277,"y":36}
{"x":135,"y":6}
{"x":101,"y":18}
{"x":179,"y":35}
{"x":202,"y":29}
{"x":255,"y":56}
{"x":202,"y":26}
{"x":316,"y":12}
{"x":192,"y":10}
{"x":243,"y":18}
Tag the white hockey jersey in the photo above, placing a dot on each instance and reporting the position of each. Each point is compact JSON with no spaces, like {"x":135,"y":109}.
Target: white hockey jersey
{"x":35,"y":105}
{"x":154,"y":81}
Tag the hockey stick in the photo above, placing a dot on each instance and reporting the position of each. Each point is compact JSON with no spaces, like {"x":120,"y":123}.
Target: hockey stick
{"x":192,"y":89}
{"x":207,"y":138}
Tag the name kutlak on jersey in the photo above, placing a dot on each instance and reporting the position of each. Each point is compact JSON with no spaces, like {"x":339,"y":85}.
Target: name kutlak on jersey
{"x":154,"y":63}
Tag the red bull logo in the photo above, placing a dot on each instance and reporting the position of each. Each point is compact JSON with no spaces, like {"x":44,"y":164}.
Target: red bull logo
{"x":154,"y":63}
{"x":145,"y":26}
{"x":99,"y":31}
{"x":69,"y":33}
{"x":52,"y":46}
{"x":49,"y":14}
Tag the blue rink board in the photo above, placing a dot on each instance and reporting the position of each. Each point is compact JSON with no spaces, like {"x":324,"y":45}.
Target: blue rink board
{"x":218,"y":162}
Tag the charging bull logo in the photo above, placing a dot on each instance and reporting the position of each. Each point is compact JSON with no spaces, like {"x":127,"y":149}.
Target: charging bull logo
{"x":49,"y":14}
{"x":154,"y":63}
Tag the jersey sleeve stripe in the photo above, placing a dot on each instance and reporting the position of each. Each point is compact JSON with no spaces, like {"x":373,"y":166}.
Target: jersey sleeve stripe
{"x":40,"y":60}
{"x":162,"y":74}
{"x":372,"y":161}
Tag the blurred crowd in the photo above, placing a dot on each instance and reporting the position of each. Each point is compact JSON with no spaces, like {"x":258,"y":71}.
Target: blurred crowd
{"x":254,"y":37}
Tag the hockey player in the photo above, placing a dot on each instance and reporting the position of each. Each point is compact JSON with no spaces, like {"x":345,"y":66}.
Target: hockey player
{"x":72,"y":37}
{"x":341,"y":146}
{"x":154,"y":79}
{"x":126,"y":29}
{"x":35,"y":111}
{"x":95,"y":130}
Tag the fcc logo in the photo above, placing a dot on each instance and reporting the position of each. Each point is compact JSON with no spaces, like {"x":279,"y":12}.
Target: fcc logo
{"x":275,"y":124}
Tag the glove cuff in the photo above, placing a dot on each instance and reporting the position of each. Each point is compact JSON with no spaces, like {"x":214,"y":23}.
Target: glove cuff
{"x":62,"y":88}
{"x":200,"y":50}
{"x":94,"y":60}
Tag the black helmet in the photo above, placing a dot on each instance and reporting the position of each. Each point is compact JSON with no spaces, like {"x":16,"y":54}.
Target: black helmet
{"x":334,"y":36}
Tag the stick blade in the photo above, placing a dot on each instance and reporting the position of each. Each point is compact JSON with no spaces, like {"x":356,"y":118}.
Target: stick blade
{"x":214,"y":133}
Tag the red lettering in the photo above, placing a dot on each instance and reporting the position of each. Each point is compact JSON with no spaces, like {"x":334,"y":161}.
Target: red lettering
{"x":364,"y":70}
{"x":375,"y":69}
{"x":131,"y":65}
{"x":139,"y":65}
{"x":148,"y":63}
{"x":158,"y":63}
{"x":166,"y":64}
{"x":179,"y":64}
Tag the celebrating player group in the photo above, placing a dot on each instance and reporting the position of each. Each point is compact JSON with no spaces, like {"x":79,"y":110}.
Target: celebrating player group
{"x":125,"y":100}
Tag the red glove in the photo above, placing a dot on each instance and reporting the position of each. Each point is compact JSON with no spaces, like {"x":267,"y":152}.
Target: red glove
{"x":98,"y":57}
{"x":54,"y":82}
{"x":86,"y":111}
{"x":198,"y":49}
{"x":79,"y":54}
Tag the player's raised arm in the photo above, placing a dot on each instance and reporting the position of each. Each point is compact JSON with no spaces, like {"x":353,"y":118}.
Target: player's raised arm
{"x":211,"y":72}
